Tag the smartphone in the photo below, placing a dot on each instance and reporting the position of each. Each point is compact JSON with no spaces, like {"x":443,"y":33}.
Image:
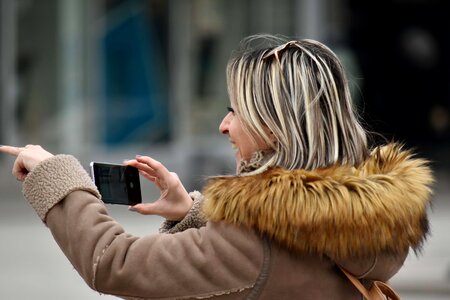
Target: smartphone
{"x":118,"y":184}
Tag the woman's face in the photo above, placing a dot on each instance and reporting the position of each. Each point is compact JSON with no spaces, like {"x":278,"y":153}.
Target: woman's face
{"x":240,"y":140}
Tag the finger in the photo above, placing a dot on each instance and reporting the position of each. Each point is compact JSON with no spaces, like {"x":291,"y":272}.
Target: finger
{"x":136,"y":164}
{"x":147,"y":176}
{"x":142,"y":167}
{"x":154,"y":164}
{"x":159,"y":169}
{"x":11,"y":150}
{"x":21,"y":177}
{"x":144,"y":208}
{"x":129,"y":162}
{"x":152,"y":179}
{"x":19,"y":170}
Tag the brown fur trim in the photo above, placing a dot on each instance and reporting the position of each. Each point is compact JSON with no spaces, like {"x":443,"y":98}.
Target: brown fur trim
{"x":340,"y":211}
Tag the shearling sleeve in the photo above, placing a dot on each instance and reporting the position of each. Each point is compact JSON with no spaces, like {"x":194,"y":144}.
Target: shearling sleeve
{"x":52,"y":180}
{"x":193,"y":219}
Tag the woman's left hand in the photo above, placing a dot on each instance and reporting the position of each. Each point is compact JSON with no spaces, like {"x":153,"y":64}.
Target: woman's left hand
{"x":28,"y":158}
{"x":174,"y":202}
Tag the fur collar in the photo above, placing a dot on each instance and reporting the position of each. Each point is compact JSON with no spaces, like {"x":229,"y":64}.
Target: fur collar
{"x":340,"y":211}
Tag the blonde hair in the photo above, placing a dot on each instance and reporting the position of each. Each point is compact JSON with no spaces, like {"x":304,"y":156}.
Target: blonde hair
{"x":298,"y":90}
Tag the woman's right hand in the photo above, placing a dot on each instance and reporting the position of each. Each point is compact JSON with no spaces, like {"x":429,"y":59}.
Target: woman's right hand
{"x":174,"y":201}
{"x":27,"y":158}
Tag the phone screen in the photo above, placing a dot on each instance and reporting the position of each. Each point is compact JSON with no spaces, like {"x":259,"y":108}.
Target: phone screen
{"x":117,"y":184}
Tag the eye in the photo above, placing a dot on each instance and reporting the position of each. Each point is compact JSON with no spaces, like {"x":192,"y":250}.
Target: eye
{"x":230,"y":109}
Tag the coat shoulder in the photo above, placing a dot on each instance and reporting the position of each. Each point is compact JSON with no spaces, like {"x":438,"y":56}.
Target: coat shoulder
{"x":328,"y":211}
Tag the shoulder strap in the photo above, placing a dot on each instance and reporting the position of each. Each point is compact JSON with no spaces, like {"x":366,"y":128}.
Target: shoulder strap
{"x":361,"y":288}
{"x":379,"y":290}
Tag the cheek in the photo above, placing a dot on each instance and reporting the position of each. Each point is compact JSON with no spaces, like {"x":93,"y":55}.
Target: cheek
{"x":239,"y":134}
{"x":247,"y":146}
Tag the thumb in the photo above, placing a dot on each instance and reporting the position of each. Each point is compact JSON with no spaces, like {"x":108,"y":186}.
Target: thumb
{"x":144,"y":208}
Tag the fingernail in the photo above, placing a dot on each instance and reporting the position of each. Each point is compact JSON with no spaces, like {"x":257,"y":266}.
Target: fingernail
{"x":131,"y":208}
{"x":138,"y":155}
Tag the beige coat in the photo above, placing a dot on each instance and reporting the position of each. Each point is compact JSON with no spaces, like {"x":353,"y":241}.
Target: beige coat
{"x":276,"y":235}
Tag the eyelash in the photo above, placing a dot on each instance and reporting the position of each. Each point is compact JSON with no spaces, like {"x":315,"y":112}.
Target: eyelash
{"x":230,"y":109}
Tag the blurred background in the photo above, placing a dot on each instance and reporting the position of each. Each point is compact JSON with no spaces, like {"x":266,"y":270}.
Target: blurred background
{"x":108,"y":79}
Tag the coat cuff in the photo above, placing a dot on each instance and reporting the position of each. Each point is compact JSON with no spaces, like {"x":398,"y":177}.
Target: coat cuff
{"x":52,"y":180}
{"x":193,"y":219}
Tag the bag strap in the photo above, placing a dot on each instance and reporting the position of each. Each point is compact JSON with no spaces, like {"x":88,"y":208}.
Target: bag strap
{"x":386,"y":290}
{"x":361,"y":288}
{"x":379,"y":290}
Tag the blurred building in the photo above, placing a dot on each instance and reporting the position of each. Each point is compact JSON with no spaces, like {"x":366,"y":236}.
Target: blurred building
{"x":97,"y":77}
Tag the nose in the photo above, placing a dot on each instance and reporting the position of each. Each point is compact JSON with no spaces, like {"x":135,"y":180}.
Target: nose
{"x":223,"y":128}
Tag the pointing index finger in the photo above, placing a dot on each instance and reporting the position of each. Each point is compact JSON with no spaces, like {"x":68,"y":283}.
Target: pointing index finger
{"x":10,"y":150}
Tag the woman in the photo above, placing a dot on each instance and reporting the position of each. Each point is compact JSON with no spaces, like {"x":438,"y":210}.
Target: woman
{"x":309,"y":196}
